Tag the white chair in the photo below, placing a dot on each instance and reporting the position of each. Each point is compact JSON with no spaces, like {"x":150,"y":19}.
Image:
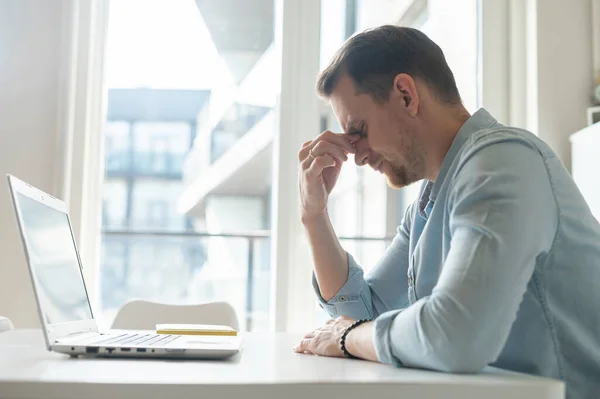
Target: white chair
{"x":5,"y":324}
{"x":145,"y":315}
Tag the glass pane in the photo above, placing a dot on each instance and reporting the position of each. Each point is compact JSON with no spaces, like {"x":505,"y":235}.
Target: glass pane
{"x":453,"y":26}
{"x":190,"y":85}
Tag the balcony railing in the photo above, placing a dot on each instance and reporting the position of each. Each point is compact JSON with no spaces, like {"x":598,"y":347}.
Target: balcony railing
{"x":188,"y":267}
{"x":184,"y":267}
{"x":125,"y":163}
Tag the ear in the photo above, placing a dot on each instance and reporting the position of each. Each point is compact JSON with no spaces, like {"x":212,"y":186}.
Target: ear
{"x":406,"y":89}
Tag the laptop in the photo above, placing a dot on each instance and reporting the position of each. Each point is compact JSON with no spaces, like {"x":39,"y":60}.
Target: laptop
{"x":62,"y":298}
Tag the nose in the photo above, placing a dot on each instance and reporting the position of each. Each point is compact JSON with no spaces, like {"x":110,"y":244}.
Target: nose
{"x":363,"y":153}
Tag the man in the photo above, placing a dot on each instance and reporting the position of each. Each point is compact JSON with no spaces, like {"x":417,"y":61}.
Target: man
{"x":496,"y":263}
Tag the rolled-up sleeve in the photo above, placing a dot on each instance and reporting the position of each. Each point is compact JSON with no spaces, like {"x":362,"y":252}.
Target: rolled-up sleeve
{"x":501,"y":219}
{"x":353,"y":299}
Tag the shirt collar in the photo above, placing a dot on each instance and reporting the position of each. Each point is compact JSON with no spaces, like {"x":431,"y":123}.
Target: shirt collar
{"x":478,"y":121}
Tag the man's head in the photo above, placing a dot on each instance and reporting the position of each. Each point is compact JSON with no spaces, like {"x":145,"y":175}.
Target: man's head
{"x":385,"y":85}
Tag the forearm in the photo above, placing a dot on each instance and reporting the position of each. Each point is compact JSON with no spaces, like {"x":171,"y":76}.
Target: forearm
{"x":330,"y":259}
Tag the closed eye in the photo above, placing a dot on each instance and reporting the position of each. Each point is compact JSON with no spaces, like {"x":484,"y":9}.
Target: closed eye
{"x":359,"y":132}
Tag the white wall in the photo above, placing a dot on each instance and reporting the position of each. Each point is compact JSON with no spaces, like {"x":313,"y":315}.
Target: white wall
{"x":564,"y":71}
{"x":30,"y":40}
{"x":596,"y":39}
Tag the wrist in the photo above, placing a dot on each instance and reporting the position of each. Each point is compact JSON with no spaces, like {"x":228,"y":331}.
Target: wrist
{"x":352,"y":343}
{"x":359,"y":342}
{"x":309,"y":219}
{"x":346,"y":341}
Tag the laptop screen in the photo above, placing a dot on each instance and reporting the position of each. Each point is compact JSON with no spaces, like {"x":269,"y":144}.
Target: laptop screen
{"x":54,"y":264}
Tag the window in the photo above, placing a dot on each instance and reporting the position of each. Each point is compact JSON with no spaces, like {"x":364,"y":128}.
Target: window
{"x":193,"y":110}
{"x":185,"y":217}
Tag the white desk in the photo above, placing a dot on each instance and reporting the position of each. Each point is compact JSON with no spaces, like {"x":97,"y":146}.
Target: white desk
{"x":266,"y":368}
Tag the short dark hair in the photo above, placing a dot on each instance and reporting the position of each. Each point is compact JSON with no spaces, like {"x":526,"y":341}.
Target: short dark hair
{"x":373,"y":58}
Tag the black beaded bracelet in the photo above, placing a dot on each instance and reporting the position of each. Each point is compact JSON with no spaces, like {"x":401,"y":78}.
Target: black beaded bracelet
{"x":345,"y":334}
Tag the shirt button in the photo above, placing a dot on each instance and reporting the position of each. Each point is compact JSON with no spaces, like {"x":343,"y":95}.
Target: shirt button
{"x":410,"y":280}
{"x":342,"y":298}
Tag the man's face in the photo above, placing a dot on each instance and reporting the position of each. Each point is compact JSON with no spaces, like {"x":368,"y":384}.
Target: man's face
{"x":384,"y":135}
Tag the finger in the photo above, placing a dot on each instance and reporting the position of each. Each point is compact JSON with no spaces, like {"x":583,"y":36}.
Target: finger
{"x":303,"y":153}
{"x":304,"y":150}
{"x":303,"y":346}
{"x":320,"y":163}
{"x":341,"y":139}
{"x":337,"y":139}
{"x":325,"y":147}
{"x":304,"y":165}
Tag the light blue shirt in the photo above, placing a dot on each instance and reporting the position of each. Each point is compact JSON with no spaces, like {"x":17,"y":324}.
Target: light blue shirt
{"x":497,"y":263}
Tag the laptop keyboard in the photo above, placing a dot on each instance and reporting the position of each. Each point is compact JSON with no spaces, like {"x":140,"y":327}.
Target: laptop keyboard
{"x":136,"y":340}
